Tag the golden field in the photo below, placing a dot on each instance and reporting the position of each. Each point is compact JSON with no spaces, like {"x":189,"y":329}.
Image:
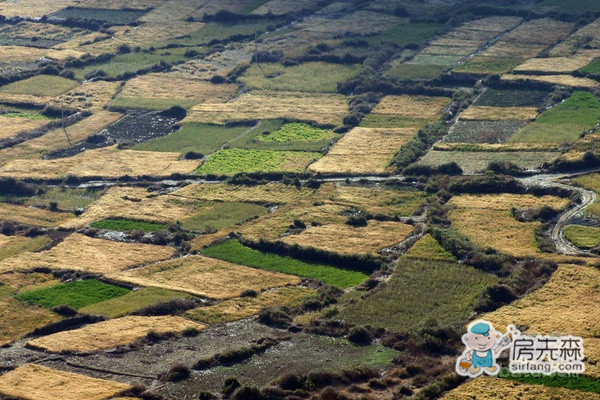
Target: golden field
{"x":89,"y":96}
{"x":417,"y":107}
{"x":511,"y":49}
{"x":559,"y":65}
{"x":566,"y":80}
{"x":364,"y":150}
{"x":30,"y":54}
{"x":244,"y":307}
{"x":495,"y":147}
{"x":33,"y":216}
{"x":359,"y":22}
{"x":82,"y":253}
{"x":345,"y":239}
{"x":108,"y":162}
{"x":486,"y":388}
{"x":544,"y":31}
{"x":36,"y":382}
{"x":12,"y":245}
{"x":205,"y":277}
{"x":56,"y":139}
{"x":276,"y":193}
{"x":485,"y":113}
{"x":18,"y":318}
{"x":14,"y":125}
{"x":506,"y":200}
{"x":110,"y":334}
{"x":572,"y":43}
{"x":326,"y":109}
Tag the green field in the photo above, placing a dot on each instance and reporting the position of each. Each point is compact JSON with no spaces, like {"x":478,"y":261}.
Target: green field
{"x":127,"y":225}
{"x":223,"y":215}
{"x":406,"y":33}
{"x":563,"y":123}
{"x":296,"y":132}
{"x":132,"y":301}
{"x":591,"y":182}
{"x":76,"y":294}
{"x":489,"y":65}
{"x":427,"y":248}
{"x":113,"y":17}
{"x":198,"y":137}
{"x":512,"y":98}
{"x":40,"y":85}
{"x":233,"y":161}
{"x":584,"y":237}
{"x":417,"y":291}
{"x":415,"y":71}
{"x":66,"y":198}
{"x":592,"y":68}
{"x":307,"y":77}
{"x":235,"y":252}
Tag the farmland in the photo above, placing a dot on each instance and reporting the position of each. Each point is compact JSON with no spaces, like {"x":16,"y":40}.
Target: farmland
{"x":41,"y":85}
{"x":584,"y":237}
{"x":127,"y":225}
{"x":476,"y":161}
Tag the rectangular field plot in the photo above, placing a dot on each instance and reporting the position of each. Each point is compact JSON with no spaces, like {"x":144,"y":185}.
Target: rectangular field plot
{"x":486,"y":113}
{"x":244,"y":307}
{"x":564,"y":80}
{"x":161,"y":91}
{"x":490,"y":132}
{"x":35,"y":382}
{"x":12,"y":245}
{"x":233,"y":251}
{"x":512,"y":98}
{"x":556,"y":65}
{"x":427,"y":248}
{"x":18,"y":318}
{"x":233,"y":161}
{"x":206,"y":277}
{"x":89,"y":96}
{"x":82,"y":253}
{"x":33,"y":216}
{"x":405,"y":112}
{"x":360,"y":22}
{"x":108,"y":162}
{"x":112,"y":17}
{"x":325,"y":109}
{"x":584,"y":237}
{"x":40,"y":85}
{"x":110,"y":334}
{"x":276,"y":193}
{"x":12,"y":126}
{"x":364,"y":150}
{"x":476,"y":161}
{"x":589,"y":34}
{"x":24,"y":54}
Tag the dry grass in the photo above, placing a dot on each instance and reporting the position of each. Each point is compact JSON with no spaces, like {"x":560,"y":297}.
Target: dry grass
{"x":566,"y":80}
{"x":326,"y":109}
{"x":559,"y":65}
{"x":108,"y":162}
{"x":572,"y":43}
{"x":360,"y":22}
{"x":504,"y":202}
{"x":364,"y":150}
{"x":14,"y":245}
{"x":484,"y":113}
{"x":592,"y":354}
{"x":279,"y":7}
{"x":90,"y":96}
{"x":33,"y":216}
{"x":567,"y":304}
{"x":82,"y":253}
{"x":544,"y":31}
{"x":110,"y":334}
{"x":345,"y":239}
{"x":56,"y":139}
{"x":35,"y":382}
{"x":14,"y":125}
{"x":486,"y":388}
{"x":511,"y":49}
{"x":495,"y":147}
{"x":276,"y":193}
{"x":15,"y":54}
{"x":18,"y":318}
{"x":495,"y":24}
{"x":243,"y":307}
{"x":417,"y":107}
{"x":33,"y":8}
{"x":205,"y":277}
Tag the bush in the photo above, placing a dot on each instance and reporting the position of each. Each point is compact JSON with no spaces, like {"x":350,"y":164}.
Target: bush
{"x":230,"y":385}
{"x":177,"y":373}
{"x":247,"y":393}
{"x":64,"y":310}
{"x":359,"y":335}
{"x":277,"y":317}
{"x":175,"y":112}
{"x":290,"y":382}
{"x":357,"y":220}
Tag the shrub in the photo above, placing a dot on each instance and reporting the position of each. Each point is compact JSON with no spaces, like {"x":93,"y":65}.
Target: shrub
{"x":247,"y":393}
{"x":64,"y":310}
{"x":277,"y":317}
{"x":230,"y":385}
{"x":175,"y":112}
{"x":359,"y":335}
{"x":357,"y":220}
{"x":249,"y":293}
{"x":177,"y":373}
{"x":290,"y":382}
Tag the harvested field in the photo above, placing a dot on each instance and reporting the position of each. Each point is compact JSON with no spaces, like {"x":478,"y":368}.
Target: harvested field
{"x":413,"y":107}
{"x":486,"y":65}
{"x":110,"y":334}
{"x":506,"y":201}
{"x":205,"y":277}
{"x":18,"y":318}
{"x":427,"y":248}
{"x":572,"y":290}
{"x":557,"y":65}
{"x":345,"y":239}
{"x":275,"y":193}
{"x":35,"y":382}
{"x":23,"y":54}
{"x":110,"y":16}
{"x":565,"y":80}
{"x":244,"y":307}
{"x":108,"y":162}
{"x":543,"y":31}
{"x":359,"y":22}
{"x":82,"y":253}
{"x":12,"y":126}
{"x":489,"y":132}
{"x":487,"y":388}
{"x":475,"y":161}
{"x":161,"y":91}
{"x":497,"y":147}
{"x":573,"y":43}
{"x":364,"y":150}
{"x":32,"y":216}
{"x":40,"y":85}
{"x":89,"y":96}
{"x":279,"y":7}
{"x":485,"y":113}
{"x":326,"y":109}
{"x":12,"y":245}
{"x":584,"y":237}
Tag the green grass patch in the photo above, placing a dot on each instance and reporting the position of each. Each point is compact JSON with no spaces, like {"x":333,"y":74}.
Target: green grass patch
{"x":40,"y":85}
{"x":76,"y":294}
{"x":233,"y":161}
{"x":430,"y":59}
{"x":223,"y":215}
{"x":592,"y":68}
{"x":306,"y":77}
{"x":113,"y":17}
{"x":66,"y":198}
{"x":235,"y":252}
{"x":418,"y":290}
{"x":489,"y":65}
{"x":591,"y":182}
{"x":415,"y":71}
{"x":127,"y":225}
{"x":404,"y":34}
{"x":132,"y":301}
{"x":512,"y":98}
{"x":582,"y":383}
{"x":427,"y":248}
{"x":198,"y":137}
{"x":584,"y":237}
{"x":34,"y":244}
{"x":296,"y":132}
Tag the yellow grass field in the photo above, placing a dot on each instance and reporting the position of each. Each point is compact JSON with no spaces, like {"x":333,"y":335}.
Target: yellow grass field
{"x":326,"y":109}
{"x":33,"y":8}
{"x":486,"y":388}
{"x":18,"y":318}
{"x":108,"y":162}
{"x":559,"y":65}
{"x":56,"y":139}
{"x":110,"y":334}
{"x":360,"y":22}
{"x":544,"y":31}
{"x":572,"y":43}
{"x":592,"y":353}
{"x":12,"y":245}
{"x":36,"y":382}
{"x":82,"y":253}
{"x":276,"y":193}
{"x":484,"y":113}
{"x":511,"y":49}
{"x":205,"y":277}
{"x":13,"y":125}
{"x":33,"y":216}
{"x":506,"y":201}
{"x":364,"y":150}
{"x":31,"y":54}
{"x":345,"y":239}
{"x":495,"y":147}
{"x":566,"y":80}
{"x":244,"y":307}
{"x":90,"y":96}
{"x":417,"y":107}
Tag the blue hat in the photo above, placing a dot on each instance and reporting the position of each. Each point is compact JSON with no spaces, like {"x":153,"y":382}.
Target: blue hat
{"x":481,"y":329}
